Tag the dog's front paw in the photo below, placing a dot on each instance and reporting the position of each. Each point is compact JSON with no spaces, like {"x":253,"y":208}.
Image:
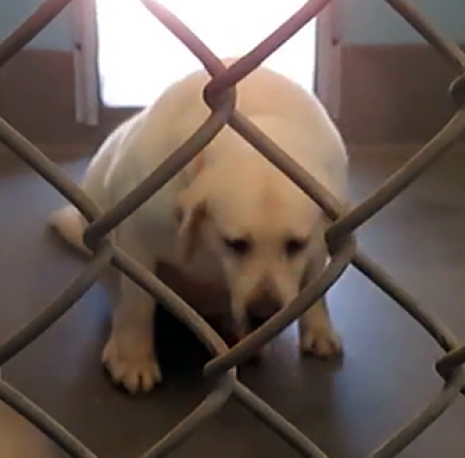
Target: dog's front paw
{"x":133,"y":367}
{"x":325,"y":344}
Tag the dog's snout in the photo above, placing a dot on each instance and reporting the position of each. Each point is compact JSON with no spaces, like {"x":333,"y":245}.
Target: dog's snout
{"x":263,"y":306}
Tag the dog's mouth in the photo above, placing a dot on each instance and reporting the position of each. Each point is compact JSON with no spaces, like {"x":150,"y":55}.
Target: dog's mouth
{"x":254,"y":321}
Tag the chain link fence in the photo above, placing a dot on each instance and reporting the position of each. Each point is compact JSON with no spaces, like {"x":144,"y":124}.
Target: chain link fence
{"x":219,"y":95}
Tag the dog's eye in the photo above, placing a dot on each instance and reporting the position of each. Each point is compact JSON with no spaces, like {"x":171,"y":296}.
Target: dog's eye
{"x":295,"y":246}
{"x":238,"y":246}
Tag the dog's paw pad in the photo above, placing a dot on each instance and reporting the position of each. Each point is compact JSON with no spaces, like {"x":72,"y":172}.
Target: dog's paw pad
{"x":324,"y":345}
{"x":134,"y":371}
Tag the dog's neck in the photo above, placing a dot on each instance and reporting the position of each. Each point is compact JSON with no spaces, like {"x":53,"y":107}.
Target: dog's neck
{"x":194,"y":168}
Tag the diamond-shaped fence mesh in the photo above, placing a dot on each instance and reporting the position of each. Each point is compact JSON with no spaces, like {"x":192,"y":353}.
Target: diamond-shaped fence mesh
{"x":219,"y":95}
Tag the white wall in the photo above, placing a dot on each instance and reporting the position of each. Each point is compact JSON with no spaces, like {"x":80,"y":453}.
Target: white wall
{"x":366,"y":22}
{"x":56,"y":36}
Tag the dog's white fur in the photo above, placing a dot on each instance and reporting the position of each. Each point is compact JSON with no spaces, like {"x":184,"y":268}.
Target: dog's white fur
{"x":235,"y":194}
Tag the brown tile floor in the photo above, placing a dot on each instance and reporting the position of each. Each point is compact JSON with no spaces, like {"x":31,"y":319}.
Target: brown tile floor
{"x":387,"y":375}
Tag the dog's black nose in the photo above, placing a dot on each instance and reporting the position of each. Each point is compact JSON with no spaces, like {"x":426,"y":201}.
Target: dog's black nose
{"x":262,"y":307}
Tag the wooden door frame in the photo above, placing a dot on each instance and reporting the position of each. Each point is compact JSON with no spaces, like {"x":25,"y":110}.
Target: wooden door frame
{"x":85,"y":53}
{"x":328,"y":58}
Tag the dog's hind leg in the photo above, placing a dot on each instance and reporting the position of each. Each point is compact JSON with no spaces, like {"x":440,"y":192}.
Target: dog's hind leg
{"x":69,"y":224}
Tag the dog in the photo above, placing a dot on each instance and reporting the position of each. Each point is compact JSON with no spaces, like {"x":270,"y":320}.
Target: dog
{"x":230,"y":216}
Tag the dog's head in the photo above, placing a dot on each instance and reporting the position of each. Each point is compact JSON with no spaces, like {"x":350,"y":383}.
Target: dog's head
{"x":260,"y":226}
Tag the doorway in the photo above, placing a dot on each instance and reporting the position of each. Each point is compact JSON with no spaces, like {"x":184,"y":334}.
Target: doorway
{"x":138,"y":57}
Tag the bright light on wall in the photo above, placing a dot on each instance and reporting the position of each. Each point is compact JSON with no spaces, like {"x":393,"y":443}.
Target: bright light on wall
{"x":139,"y":57}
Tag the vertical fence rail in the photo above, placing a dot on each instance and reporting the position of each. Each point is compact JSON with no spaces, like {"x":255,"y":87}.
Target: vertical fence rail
{"x":219,"y":95}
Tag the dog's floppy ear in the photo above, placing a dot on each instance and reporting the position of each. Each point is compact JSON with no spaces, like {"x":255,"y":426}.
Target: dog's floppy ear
{"x":190,"y":212}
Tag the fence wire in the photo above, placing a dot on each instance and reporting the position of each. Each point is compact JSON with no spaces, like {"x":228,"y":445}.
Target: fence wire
{"x":220,"y":96}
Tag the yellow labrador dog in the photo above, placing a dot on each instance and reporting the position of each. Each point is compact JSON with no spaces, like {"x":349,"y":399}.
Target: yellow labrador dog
{"x":229,"y":217}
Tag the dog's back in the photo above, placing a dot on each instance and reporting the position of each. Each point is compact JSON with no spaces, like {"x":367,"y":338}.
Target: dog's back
{"x":181,"y":110}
